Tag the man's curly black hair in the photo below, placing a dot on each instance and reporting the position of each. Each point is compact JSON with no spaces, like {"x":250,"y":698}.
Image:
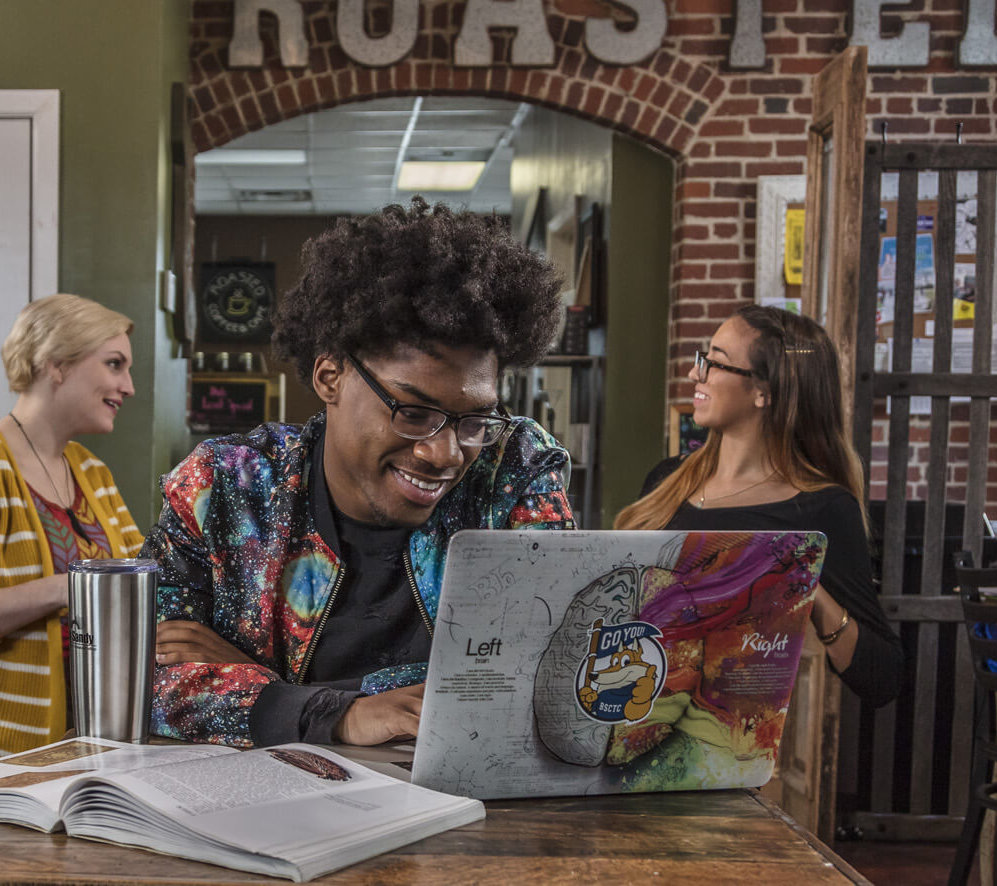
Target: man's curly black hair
{"x":421,"y":276}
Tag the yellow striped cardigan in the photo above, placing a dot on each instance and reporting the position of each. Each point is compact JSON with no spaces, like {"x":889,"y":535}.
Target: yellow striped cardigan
{"x":32,"y":684}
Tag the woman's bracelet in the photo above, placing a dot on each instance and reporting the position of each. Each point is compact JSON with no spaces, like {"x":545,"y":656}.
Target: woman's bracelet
{"x":828,"y":639}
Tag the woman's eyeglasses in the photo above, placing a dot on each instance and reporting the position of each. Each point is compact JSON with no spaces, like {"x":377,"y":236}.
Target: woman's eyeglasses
{"x":704,"y":364}
{"x":421,"y":422}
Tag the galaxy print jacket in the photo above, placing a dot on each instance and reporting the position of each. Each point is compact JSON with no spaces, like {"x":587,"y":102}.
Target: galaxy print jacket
{"x":239,"y":552}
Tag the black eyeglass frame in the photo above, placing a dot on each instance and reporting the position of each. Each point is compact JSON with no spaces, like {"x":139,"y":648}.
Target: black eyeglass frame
{"x":704,"y":364}
{"x":500,"y":419}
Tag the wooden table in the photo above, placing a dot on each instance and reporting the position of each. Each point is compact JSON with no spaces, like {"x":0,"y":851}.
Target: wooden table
{"x":704,"y":838}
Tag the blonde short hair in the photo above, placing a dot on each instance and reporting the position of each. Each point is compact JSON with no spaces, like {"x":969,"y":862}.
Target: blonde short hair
{"x":60,"y":328}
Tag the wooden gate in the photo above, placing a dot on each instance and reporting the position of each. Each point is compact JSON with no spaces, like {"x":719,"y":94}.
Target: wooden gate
{"x":903,"y":769}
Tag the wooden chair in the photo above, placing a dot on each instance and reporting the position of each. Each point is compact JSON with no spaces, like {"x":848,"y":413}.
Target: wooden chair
{"x":982,"y":791}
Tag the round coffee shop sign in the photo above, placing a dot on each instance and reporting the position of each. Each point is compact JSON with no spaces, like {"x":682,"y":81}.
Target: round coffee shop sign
{"x":236,"y":302}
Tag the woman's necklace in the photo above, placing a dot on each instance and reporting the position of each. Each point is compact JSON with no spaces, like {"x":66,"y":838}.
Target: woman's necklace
{"x":702,"y":497}
{"x":55,"y":489}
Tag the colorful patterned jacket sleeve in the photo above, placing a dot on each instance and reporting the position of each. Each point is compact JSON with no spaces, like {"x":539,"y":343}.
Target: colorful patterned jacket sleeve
{"x":544,"y":505}
{"x":527,"y":484}
{"x":194,"y":701}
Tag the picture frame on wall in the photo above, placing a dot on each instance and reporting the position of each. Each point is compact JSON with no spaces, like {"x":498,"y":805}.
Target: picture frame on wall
{"x":562,"y":230}
{"x":776,"y":195}
{"x":590,"y":260}
{"x":536,"y":221}
{"x":684,"y":435}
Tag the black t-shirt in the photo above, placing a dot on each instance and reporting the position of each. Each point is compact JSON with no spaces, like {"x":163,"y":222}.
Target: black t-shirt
{"x":877,"y":666}
{"x":374,"y":621}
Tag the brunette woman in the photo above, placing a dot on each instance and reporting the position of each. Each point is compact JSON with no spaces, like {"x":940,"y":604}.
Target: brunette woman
{"x":777,"y":458}
{"x":69,"y":361}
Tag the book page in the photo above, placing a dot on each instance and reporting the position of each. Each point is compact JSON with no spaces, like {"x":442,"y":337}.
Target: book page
{"x":267,"y":801}
{"x":32,"y":783}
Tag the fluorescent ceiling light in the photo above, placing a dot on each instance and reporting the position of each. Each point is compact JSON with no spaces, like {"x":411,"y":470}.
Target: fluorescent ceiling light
{"x":425,"y":175}
{"x":276,"y":195}
{"x":245,"y":157}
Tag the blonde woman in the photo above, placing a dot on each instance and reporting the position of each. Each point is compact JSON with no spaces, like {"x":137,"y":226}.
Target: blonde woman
{"x":69,"y":360}
{"x":777,"y":458}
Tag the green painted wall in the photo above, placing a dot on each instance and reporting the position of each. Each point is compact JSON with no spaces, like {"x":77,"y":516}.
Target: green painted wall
{"x":113,"y":62}
{"x":637,"y":329}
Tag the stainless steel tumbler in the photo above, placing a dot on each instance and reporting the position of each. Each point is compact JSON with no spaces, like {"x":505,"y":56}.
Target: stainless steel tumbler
{"x":112,"y":643}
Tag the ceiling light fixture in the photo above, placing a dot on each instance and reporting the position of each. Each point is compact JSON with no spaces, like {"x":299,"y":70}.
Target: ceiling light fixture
{"x":275,"y":195}
{"x":245,"y":157}
{"x":426,"y":175}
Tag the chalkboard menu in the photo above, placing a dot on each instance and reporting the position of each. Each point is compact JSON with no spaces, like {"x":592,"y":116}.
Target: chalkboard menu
{"x":229,"y":402}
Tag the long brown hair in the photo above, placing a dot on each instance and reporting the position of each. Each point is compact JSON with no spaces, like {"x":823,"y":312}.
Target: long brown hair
{"x":796,"y":363}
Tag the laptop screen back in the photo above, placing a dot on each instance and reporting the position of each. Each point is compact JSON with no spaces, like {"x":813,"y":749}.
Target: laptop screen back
{"x":569,"y":663}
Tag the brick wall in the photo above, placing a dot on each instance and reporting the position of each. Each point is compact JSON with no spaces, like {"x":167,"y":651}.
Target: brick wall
{"x":724,"y":128}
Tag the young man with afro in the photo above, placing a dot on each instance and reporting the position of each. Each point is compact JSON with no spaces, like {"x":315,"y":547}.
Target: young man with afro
{"x":301,"y":566}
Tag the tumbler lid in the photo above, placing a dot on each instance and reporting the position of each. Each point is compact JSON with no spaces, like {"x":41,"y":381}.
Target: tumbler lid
{"x":129,"y":565}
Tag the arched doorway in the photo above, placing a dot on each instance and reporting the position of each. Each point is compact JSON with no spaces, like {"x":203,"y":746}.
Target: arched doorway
{"x":598,"y":202}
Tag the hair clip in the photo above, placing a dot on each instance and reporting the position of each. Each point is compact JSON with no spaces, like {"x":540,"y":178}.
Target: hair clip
{"x":799,"y":350}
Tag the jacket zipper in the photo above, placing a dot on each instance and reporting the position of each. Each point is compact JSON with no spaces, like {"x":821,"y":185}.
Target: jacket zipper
{"x":320,"y":626}
{"x":415,"y":593}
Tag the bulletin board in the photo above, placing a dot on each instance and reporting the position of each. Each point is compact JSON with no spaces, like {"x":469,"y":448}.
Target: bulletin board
{"x":964,"y":289}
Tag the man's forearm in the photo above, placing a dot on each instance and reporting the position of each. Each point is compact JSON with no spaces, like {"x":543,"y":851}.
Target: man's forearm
{"x":286,"y":712}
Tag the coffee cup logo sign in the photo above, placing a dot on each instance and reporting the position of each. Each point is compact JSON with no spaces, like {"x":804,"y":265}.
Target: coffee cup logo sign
{"x":236,"y":304}
{"x":532,"y":46}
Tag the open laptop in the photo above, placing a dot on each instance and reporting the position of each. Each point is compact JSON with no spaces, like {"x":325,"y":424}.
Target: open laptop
{"x":597,"y":662}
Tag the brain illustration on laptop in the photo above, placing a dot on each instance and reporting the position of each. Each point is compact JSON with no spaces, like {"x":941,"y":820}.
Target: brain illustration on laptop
{"x":679,"y":673}
{"x":598,"y":661}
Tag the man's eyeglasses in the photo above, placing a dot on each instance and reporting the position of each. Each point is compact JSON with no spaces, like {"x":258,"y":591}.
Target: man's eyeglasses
{"x":421,"y":422}
{"x":704,"y":364}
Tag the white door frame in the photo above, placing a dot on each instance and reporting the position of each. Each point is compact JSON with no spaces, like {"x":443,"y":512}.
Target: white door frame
{"x":41,"y":108}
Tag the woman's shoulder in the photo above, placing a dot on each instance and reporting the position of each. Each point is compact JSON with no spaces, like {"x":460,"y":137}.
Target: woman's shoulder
{"x":659,"y":472}
{"x":830,"y":497}
{"x":833,"y":509}
{"x":83,"y":458}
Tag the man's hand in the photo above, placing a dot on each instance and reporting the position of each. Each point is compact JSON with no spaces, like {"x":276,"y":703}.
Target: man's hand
{"x":180,"y":641}
{"x":388,"y":716}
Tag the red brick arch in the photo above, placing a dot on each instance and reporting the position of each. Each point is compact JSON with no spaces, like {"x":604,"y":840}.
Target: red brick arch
{"x":661,"y":101}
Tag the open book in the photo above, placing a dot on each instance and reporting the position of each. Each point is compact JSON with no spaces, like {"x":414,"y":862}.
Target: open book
{"x":295,"y":811}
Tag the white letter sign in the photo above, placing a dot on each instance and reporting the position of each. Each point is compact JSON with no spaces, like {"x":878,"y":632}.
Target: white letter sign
{"x":615,"y":47}
{"x":908,"y":49}
{"x":532,"y":44}
{"x":246,"y":48}
{"x":979,"y":43}
{"x":377,"y":51}
{"x":747,"y":48}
